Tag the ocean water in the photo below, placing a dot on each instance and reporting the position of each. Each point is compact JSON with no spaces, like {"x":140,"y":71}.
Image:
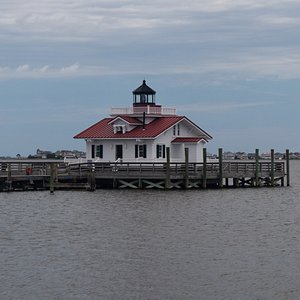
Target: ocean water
{"x":241,"y":244}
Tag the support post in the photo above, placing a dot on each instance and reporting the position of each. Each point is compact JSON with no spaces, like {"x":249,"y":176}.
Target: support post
{"x":168,"y":170}
{"x":115,"y":183}
{"x":204,"y":180}
{"x":220,"y":167}
{"x":236,"y":182}
{"x":52,"y":171}
{"x":9,"y":177}
{"x":272,"y":166}
{"x":186,"y":168}
{"x":227,"y":182}
{"x":257,"y":167}
{"x":92,"y":181}
{"x":287,"y":162}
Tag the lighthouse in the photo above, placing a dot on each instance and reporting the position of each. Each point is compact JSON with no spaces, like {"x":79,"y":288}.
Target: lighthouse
{"x":143,"y":131}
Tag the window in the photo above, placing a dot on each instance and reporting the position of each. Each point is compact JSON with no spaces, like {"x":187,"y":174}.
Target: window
{"x":119,"y":129}
{"x":97,"y":151}
{"x":160,"y":151}
{"x":143,"y":98}
{"x":176,"y":129}
{"x":141,"y":151}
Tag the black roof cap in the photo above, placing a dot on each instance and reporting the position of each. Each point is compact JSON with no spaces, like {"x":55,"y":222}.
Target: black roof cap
{"x":144,"y":89}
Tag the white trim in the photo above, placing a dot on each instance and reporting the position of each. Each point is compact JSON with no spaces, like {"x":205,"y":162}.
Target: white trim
{"x":120,"y":118}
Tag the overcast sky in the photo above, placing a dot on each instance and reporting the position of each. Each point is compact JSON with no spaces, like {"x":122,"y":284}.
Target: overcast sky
{"x":231,"y":66}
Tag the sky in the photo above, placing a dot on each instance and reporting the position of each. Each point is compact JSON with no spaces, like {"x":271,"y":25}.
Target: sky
{"x":231,"y":66}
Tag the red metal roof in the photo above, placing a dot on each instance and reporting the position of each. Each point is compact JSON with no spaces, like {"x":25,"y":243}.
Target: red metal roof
{"x":104,"y":130}
{"x":188,"y":140}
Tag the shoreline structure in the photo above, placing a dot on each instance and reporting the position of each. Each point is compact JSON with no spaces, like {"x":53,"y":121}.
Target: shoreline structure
{"x":22,"y":175}
{"x":144,"y":146}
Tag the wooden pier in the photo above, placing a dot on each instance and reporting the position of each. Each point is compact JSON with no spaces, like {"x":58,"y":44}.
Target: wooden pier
{"x":54,"y":175}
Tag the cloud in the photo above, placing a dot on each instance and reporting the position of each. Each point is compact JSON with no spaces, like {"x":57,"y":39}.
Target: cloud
{"x":219,"y":38}
{"x":23,"y":68}
{"x":26,"y":71}
{"x":92,"y":19}
{"x":44,"y":69}
{"x":275,"y":64}
{"x":70,"y":69}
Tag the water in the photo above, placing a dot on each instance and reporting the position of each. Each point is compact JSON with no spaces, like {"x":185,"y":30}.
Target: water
{"x":113,"y":244}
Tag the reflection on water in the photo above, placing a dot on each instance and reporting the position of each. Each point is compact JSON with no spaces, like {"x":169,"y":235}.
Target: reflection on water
{"x":112,"y":244}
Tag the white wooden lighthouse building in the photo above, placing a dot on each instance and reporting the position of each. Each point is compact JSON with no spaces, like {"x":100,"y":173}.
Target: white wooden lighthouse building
{"x":142,"y":132}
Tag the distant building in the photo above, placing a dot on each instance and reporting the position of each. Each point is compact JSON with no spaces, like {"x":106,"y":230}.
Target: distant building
{"x":42,"y":154}
{"x":70,"y":154}
{"x":266,"y":155}
{"x":241,"y":155}
{"x":228,"y":155}
{"x":143,"y":132}
{"x":59,"y":154}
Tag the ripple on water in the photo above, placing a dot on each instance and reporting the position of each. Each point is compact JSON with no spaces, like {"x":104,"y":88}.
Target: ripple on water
{"x":112,"y":244}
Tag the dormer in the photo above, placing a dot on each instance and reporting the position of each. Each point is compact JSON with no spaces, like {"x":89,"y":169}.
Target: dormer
{"x":123,"y":124}
{"x":144,"y":95}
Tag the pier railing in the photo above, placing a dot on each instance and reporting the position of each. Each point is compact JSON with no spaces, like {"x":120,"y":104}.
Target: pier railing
{"x":145,"y":174}
{"x":229,"y":169}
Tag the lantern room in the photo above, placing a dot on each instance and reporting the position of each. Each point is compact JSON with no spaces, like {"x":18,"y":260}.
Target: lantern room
{"x":144,"y":95}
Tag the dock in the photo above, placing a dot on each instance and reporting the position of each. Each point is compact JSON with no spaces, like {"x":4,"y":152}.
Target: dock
{"x":22,"y":175}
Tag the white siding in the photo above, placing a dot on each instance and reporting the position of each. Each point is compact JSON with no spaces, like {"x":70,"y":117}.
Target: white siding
{"x":176,"y":150}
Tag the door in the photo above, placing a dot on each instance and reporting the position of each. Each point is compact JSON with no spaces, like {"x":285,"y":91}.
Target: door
{"x":119,"y":152}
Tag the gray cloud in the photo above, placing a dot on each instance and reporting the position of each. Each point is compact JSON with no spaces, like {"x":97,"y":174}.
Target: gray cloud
{"x":247,"y":38}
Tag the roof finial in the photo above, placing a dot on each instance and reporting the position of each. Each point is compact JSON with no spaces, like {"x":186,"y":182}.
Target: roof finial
{"x":144,"y":81}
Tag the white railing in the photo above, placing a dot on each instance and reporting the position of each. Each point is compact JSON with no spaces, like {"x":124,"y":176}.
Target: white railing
{"x":140,"y":110}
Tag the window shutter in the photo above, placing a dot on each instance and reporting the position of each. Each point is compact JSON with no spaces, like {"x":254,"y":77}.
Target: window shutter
{"x":136,"y":151}
{"x":164,"y":151}
{"x":157,"y":151}
{"x":101,"y":151}
{"x":93,"y":151}
{"x":145,"y":151}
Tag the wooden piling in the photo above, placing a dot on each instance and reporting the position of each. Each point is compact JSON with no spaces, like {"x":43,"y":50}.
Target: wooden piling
{"x":236,"y":182}
{"x":9,"y":177}
{"x":257,"y":183}
{"x":52,"y":175}
{"x":272,"y":167}
{"x":168,"y":169}
{"x":204,"y":174}
{"x":115,"y":183}
{"x":186,"y":168}
{"x":91,"y":179}
{"x":220,"y":167}
{"x":287,"y":162}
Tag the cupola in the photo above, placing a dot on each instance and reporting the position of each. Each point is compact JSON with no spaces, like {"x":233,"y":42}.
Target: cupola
{"x":144,"y":95}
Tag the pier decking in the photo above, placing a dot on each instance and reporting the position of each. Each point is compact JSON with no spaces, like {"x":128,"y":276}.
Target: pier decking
{"x":46,"y":174}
